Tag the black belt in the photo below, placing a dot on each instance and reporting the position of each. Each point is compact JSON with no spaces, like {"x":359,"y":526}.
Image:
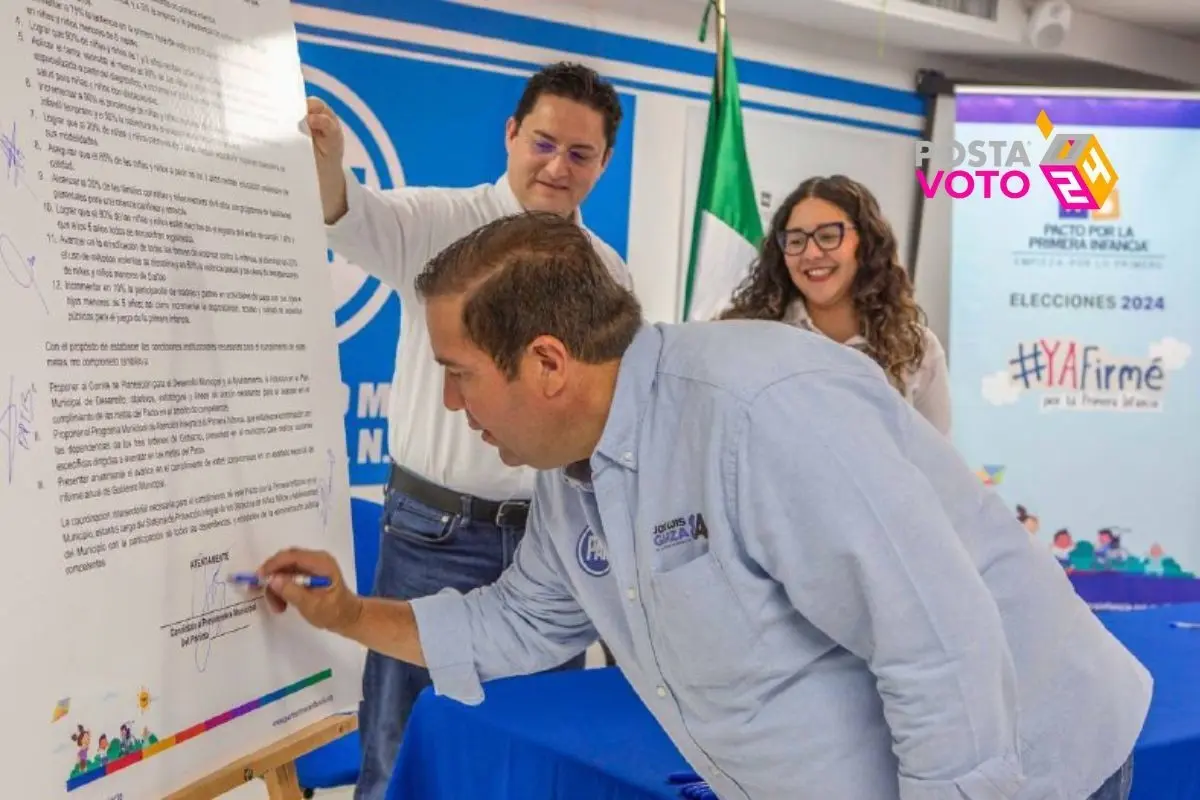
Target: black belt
{"x":503,"y":513}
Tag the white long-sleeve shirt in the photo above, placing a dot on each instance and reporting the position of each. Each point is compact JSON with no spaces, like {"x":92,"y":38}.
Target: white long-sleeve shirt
{"x":392,"y":235}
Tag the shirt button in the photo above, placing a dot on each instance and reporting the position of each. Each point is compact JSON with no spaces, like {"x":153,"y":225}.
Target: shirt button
{"x":662,"y":691}
{"x":631,"y":594}
{"x":627,"y":458}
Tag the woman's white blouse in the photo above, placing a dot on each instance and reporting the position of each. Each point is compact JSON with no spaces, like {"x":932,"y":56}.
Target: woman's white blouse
{"x":928,"y":386}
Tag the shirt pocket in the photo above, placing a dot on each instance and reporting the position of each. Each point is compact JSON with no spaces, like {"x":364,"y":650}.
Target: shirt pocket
{"x":701,"y":626}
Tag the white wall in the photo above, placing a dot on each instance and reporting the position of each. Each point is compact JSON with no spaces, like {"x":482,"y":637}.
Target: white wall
{"x":1091,"y":39}
{"x":1049,"y":72}
{"x":678,"y":22}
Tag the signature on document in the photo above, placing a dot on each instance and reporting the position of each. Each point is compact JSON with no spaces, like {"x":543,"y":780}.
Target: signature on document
{"x":213,"y":591}
{"x":16,"y":424}
{"x":216,"y":611}
{"x":325,"y":490}
{"x":14,"y":159}
{"x":20,"y":268}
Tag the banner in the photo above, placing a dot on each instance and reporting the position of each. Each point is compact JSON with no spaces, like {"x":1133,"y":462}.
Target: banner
{"x":1073,"y":322}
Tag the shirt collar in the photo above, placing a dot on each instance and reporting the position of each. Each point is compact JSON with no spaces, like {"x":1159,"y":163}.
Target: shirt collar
{"x":578,"y":475}
{"x":511,"y":205}
{"x":797,"y":315}
{"x":635,"y":382}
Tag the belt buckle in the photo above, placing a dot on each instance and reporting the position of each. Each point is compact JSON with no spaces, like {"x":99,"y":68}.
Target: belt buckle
{"x":511,"y":507}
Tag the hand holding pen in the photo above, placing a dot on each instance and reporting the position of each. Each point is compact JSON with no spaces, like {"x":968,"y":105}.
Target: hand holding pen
{"x":310,"y":582}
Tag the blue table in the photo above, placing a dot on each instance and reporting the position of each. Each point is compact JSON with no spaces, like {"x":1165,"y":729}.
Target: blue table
{"x":582,"y":735}
{"x":586,"y":736}
{"x":1167,"y":757}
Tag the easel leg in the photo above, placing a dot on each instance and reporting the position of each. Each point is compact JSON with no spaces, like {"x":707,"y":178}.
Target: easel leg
{"x":282,"y":783}
{"x":276,"y":763}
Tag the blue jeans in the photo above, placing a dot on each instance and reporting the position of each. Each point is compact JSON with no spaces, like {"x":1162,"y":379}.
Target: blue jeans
{"x":1116,"y":787}
{"x":421,"y":551}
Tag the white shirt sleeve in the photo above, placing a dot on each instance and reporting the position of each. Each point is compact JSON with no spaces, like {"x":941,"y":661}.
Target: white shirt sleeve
{"x":616,"y":265}
{"x":391,"y":234}
{"x":931,"y":392}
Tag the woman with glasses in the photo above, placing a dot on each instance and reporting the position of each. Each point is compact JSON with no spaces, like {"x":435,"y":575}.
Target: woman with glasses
{"x":830,"y":264}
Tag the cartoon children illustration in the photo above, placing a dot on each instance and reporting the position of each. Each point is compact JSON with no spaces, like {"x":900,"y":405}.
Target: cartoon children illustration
{"x":1030,"y":521}
{"x":102,"y":749}
{"x":127,"y":743}
{"x":1154,"y":564}
{"x":83,"y":740}
{"x":1062,"y":546}
{"x":1108,"y":547}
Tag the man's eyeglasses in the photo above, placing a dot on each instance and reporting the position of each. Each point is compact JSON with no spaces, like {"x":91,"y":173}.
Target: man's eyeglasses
{"x":827,"y":237}
{"x":579,"y":156}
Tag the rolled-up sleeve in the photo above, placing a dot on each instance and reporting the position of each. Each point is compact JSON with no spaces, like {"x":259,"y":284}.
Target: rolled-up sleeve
{"x":831,"y":507}
{"x":525,"y":622}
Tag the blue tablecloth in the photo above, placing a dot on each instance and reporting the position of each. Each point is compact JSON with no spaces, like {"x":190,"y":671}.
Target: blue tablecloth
{"x":585,"y":736}
{"x":1167,"y":759}
{"x":582,"y":735}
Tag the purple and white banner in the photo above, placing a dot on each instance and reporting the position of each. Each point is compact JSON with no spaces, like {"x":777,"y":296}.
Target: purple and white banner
{"x":1072,"y":324}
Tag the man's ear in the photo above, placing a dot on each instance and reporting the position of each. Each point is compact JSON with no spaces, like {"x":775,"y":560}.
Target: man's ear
{"x":548,"y":358}
{"x":604,"y":162}
{"x":511,"y":128}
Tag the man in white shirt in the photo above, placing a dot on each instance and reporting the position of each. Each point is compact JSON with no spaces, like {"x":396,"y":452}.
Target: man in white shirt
{"x":454,"y":510}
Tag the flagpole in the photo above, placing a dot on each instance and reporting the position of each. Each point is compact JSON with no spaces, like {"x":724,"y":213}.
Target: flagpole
{"x":720,"y":5}
{"x":726,"y":226}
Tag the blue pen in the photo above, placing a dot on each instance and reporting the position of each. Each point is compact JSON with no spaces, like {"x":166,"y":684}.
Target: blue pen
{"x":308,"y":581}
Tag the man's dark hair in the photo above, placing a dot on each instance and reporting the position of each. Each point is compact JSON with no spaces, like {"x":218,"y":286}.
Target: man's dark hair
{"x":574,"y":82}
{"x":529,"y":275}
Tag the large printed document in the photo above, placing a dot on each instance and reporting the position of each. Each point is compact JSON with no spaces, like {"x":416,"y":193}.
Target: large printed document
{"x":171,"y":411}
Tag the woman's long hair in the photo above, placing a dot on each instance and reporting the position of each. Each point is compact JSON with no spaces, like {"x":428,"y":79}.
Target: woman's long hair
{"x":890,"y":319}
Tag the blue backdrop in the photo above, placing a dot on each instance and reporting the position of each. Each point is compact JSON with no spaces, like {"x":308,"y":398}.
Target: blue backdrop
{"x":411,"y":121}
{"x":1071,"y":333}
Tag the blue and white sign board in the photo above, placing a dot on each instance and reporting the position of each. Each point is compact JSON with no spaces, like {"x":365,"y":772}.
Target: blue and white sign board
{"x":1073,"y":324}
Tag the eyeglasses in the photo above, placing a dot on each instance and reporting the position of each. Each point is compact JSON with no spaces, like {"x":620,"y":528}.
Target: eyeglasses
{"x":828,"y":237}
{"x":544,"y":148}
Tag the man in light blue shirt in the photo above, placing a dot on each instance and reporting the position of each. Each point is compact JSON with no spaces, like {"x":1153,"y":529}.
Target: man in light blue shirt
{"x":800,"y":577}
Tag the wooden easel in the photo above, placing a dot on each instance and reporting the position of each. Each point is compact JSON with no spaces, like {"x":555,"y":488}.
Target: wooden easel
{"x":275,"y":763}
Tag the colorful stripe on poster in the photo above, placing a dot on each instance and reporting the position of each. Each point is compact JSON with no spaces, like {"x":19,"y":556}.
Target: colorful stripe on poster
{"x":153,"y":749}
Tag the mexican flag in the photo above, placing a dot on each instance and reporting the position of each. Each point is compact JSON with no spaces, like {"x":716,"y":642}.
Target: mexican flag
{"x":727,"y":229}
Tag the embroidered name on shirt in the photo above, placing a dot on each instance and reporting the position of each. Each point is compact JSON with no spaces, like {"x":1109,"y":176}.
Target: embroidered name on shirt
{"x":592,"y":554}
{"x":679,"y":530}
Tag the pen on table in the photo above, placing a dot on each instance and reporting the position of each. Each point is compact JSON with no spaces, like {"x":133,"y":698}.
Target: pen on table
{"x":1187,"y":625}
{"x":308,"y":581}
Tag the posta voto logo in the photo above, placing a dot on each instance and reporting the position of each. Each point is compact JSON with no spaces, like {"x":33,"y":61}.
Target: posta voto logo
{"x":1074,"y":164}
{"x":1077,"y":168}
